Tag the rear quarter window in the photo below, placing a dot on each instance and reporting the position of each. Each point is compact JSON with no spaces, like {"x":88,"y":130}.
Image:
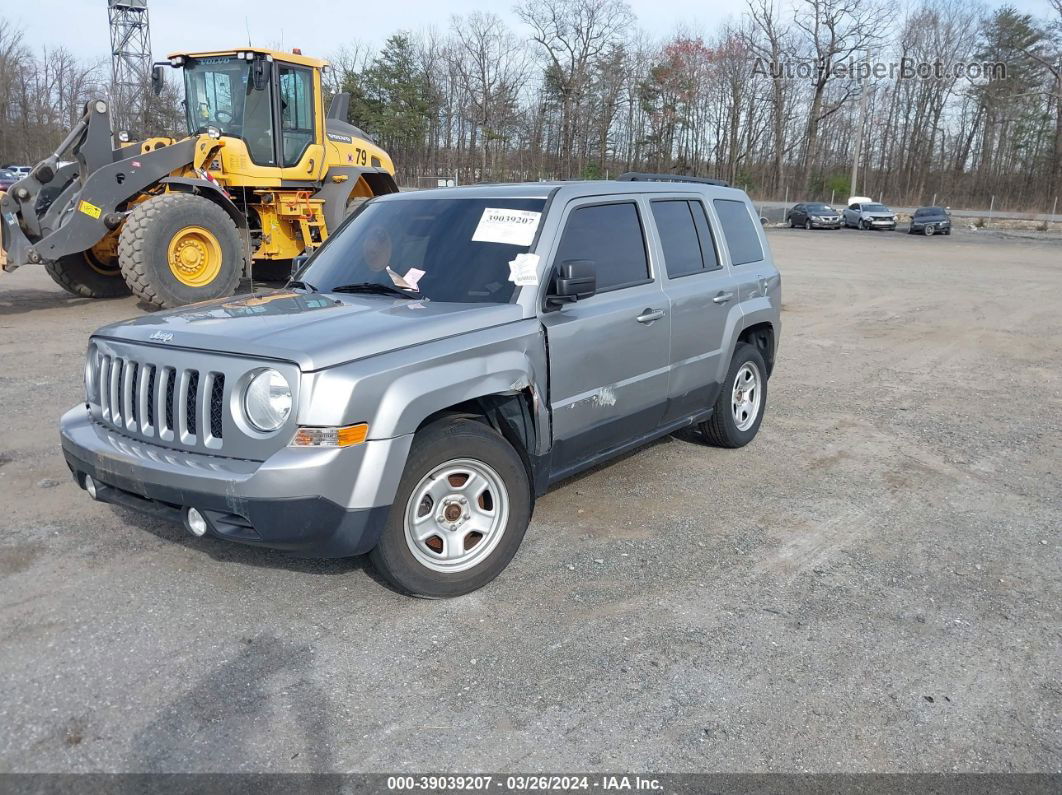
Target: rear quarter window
{"x":739,"y":231}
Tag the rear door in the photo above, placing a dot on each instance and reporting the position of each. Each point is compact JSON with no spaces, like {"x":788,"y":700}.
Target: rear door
{"x":608,"y":354}
{"x":702,"y":295}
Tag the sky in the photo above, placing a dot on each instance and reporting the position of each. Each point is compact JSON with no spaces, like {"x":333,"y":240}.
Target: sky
{"x":318,"y":27}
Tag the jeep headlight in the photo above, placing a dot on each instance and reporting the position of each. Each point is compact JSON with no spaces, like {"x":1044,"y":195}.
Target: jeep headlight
{"x":267,"y":400}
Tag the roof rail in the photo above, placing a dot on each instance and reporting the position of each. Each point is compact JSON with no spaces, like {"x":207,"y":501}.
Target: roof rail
{"x":639,"y":176}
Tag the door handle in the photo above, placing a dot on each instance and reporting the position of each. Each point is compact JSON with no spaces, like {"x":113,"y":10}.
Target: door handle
{"x":650,"y":315}
{"x":722,"y":298}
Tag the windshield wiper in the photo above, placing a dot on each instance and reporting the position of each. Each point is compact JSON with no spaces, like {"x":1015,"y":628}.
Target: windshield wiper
{"x":371,"y":287}
{"x":304,"y":285}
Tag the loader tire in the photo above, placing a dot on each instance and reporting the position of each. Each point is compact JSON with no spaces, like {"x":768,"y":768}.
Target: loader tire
{"x":178,"y":249}
{"x":81,"y":275}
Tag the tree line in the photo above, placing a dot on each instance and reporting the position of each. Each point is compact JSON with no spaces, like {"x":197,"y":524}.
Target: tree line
{"x":779,"y":99}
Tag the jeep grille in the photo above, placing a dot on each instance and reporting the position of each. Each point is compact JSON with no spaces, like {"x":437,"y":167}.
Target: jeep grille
{"x":181,"y":399}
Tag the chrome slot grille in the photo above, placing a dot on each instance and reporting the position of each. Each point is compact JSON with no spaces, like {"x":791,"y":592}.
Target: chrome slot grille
{"x":178,"y":405}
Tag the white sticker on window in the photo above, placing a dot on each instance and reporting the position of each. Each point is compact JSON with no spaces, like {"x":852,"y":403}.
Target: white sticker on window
{"x":523,"y":270}
{"x":412,"y":277}
{"x":513,"y":227}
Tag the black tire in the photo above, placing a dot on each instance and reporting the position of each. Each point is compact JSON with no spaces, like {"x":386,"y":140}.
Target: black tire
{"x":807,"y":224}
{"x":142,"y":249}
{"x":928,"y":230}
{"x":792,"y":223}
{"x":864,"y":224}
{"x":82,"y":275}
{"x":438,"y":443}
{"x":722,"y":429}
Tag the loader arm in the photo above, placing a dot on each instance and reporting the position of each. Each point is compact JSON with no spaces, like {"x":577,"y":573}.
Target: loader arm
{"x":40,"y":227}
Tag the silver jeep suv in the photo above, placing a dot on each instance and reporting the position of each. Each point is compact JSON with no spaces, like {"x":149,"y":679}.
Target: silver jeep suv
{"x":435,"y":366}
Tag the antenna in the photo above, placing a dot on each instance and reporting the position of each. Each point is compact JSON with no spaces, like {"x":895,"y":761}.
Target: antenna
{"x":247,"y":25}
{"x":130,"y":59}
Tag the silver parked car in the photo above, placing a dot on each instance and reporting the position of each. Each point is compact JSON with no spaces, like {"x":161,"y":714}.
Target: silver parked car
{"x":867,"y":214}
{"x":436,"y":365}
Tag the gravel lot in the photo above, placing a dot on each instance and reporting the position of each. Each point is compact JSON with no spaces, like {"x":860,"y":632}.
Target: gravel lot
{"x":874,"y":584}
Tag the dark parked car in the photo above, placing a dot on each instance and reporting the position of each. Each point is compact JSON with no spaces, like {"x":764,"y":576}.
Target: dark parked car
{"x":814,"y":215}
{"x":8,"y":178}
{"x":930,"y":221}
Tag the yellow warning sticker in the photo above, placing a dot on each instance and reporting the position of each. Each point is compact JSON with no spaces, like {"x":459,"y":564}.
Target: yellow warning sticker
{"x":89,"y":209}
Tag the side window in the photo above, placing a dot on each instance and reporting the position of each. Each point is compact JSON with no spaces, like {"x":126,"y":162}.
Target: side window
{"x":704,"y":232}
{"x":610,"y":235}
{"x":296,"y":112}
{"x":853,"y":206}
{"x":742,"y":240}
{"x":678,"y":237}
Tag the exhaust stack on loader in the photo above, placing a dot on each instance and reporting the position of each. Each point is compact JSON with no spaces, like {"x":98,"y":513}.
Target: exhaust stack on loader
{"x":264,"y":175}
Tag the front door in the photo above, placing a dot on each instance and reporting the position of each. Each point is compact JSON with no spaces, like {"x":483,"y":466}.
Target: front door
{"x":608,"y":354}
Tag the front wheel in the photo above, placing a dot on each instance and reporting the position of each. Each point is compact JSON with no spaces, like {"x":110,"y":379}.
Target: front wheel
{"x":864,"y":225}
{"x":807,"y":224}
{"x":460,"y":513}
{"x":929,"y":230}
{"x":738,"y":410}
{"x":177,"y":249}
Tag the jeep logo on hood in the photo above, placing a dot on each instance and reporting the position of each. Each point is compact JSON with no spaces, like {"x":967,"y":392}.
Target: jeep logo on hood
{"x":161,"y":336}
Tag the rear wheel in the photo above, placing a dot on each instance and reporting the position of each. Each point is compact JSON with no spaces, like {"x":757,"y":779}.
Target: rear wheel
{"x":91,"y":274}
{"x":739,"y":408}
{"x":178,"y":248}
{"x":460,"y":513}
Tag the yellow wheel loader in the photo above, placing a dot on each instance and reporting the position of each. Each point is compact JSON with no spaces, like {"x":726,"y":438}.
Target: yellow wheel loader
{"x":263,"y":176}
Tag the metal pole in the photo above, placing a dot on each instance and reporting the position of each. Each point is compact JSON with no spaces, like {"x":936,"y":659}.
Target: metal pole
{"x":934,"y":202}
{"x":991,"y":206}
{"x":833,"y":194}
{"x":787,"y":195}
{"x":859,"y":138}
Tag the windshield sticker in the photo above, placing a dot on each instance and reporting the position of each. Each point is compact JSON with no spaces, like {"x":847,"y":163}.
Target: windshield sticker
{"x":412,"y":277}
{"x":512,"y":227}
{"x":400,"y":282}
{"x":523,"y":271}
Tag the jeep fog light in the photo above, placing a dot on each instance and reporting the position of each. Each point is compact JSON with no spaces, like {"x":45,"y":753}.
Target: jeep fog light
{"x":195,"y":522}
{"x":267,"y":400}
{"x":90,"y":486}
{"x":346,"y":436}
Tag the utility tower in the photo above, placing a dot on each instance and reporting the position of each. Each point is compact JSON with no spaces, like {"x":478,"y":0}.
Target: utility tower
{"x":130,"y":60}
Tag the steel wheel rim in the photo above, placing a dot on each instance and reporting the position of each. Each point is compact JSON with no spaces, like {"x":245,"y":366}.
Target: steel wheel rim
{"x":746,"y":396}
{"x":194,"y":256}
{"x":456,"y":515}
{"x":930,"y":230}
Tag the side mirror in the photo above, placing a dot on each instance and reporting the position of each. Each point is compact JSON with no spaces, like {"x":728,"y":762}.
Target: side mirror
{"x":157,"y":79}
{"x":574,"y":280}
{"x":260,"y":71}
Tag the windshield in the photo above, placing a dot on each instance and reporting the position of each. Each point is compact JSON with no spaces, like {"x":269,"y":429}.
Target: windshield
{"x":218,"y":93}
{"x":875,"y":208}
{"x":820,"y":208}
{"x":930,"y":211}
{"x":454,"y":250}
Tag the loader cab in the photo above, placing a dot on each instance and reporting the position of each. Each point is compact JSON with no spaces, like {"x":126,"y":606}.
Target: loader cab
{"x":270,"y":101}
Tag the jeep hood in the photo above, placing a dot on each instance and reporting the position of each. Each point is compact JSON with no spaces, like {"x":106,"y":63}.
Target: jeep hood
{"x":313,"y":330}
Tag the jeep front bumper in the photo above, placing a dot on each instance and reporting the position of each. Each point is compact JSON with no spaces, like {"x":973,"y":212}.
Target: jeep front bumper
{"x":323,"y":502}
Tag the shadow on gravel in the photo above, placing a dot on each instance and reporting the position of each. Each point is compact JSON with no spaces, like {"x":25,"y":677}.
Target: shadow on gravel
{"x":226,"y":720}
{"x":17,"y":302}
